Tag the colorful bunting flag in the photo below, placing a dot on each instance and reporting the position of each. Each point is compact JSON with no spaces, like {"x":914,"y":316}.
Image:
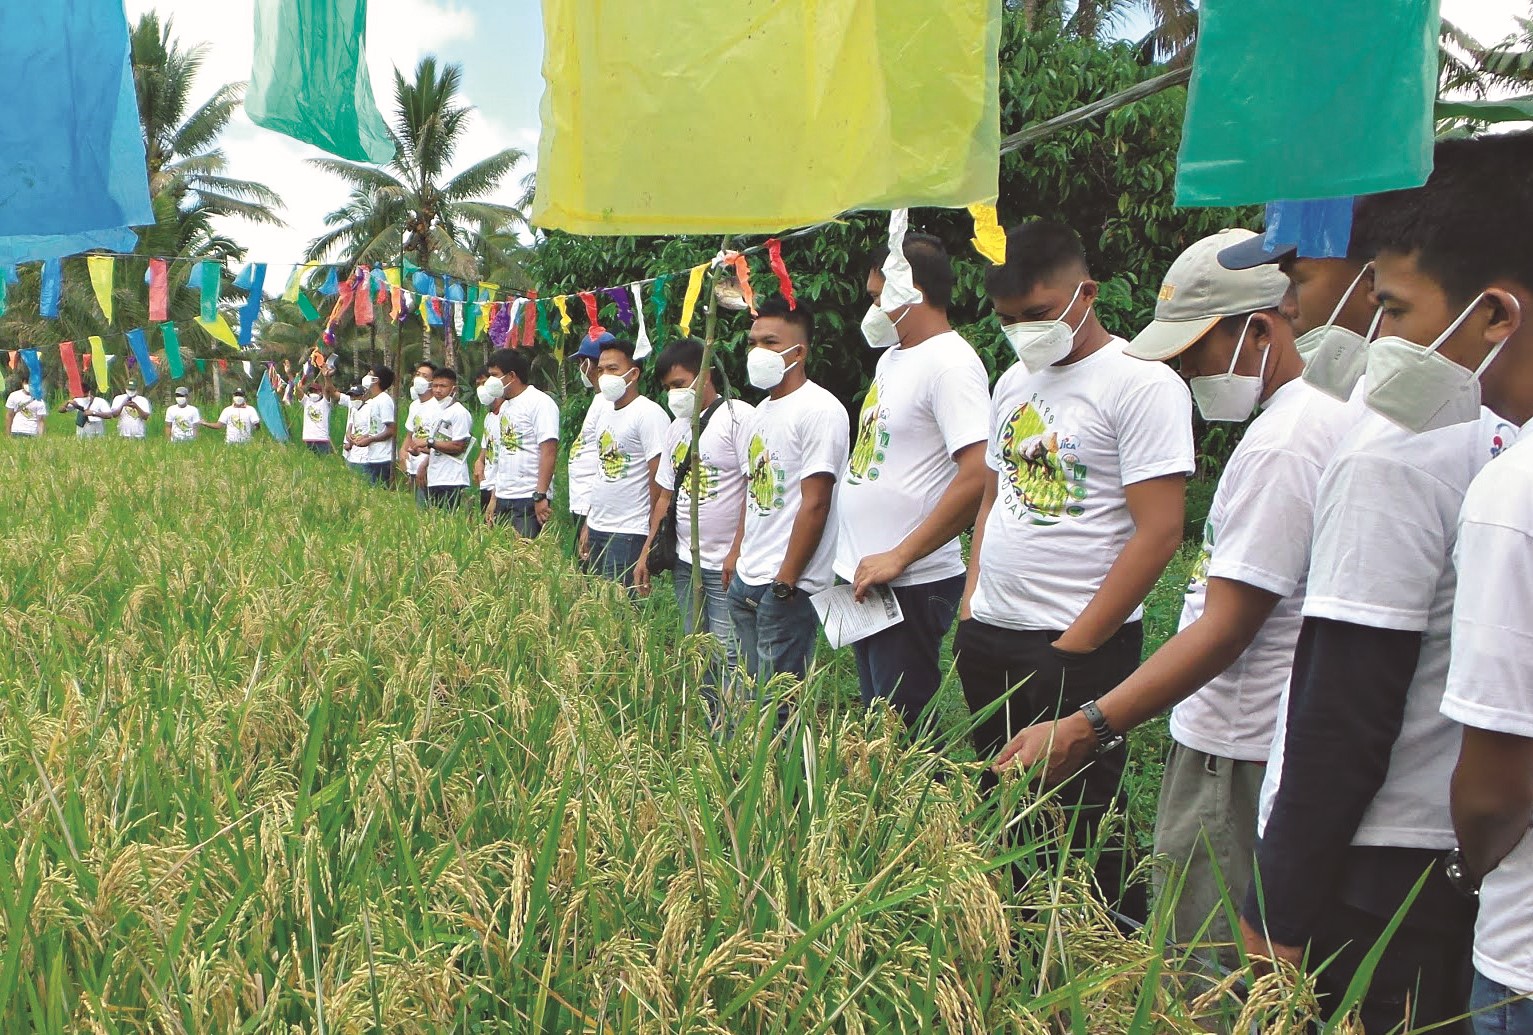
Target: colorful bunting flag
{"x":101,"y":267}
{"x":140,"y":349}
{"x":71,"y":369}
{"x":642,"y":345}
{"x":784,"y":282}
{"x":530,"y":319}
{"x":34,"y":364}
{"x":98,"y":363}
{"x":255,"y":283}
{"x":689,"y":303}
{"x":657,"y":299}
{"x":619,"y":296}
{"x":219,"y":328}
{"x":989,"y":239}
{"x":564,"y":314}
{"x":159,"y":291}
{"x":210,"y":276}
{"x":742,"y":269}
{"x":172,"y":351}
{"x":306,"y":307}
{"x":52,"y":289}
{"x":593,"y":314}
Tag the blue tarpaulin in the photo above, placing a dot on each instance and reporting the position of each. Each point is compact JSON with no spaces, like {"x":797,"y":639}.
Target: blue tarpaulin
{"x":72,"y":171}
{"x":270,"y":409}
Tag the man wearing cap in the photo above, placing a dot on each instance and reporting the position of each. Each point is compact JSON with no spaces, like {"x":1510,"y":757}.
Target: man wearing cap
{"x":130,"y":410}
{"x":238,"y":421}
{"x":183,"y":419}
{"x":584,"y":464}
{"x":1224,"y":672}
{"x":1090,"y":451}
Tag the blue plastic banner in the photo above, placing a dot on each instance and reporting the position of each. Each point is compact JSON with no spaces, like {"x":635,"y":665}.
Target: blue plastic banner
{"x":270,"y":408}
{"x":140,"y":347}
{"x":255,"y":283}
{"x":1320,"y":229}
{"x":52,"y":289}
{"x":34,"y":364}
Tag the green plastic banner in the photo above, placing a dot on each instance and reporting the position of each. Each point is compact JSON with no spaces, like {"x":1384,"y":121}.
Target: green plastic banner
{"x":1308,"y":100}
{"x":310,"y":77}
{"x":173,"y":351}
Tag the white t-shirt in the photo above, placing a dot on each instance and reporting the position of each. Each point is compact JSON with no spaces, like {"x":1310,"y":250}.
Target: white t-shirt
{"x":721,"y":478}
{"x":448,"y":421}
{"x":129,"y":425}
{"x":584,"y":467}
{"x":1386,"y":521}
{"x":1258,"y":532}
{"x":925,"y":404}
{"x":353,"y":407}
{"x":183,"y":421}
{"x":29,"y":412}
{"x":626,"y":441}
{"x":489,"y":448}
{"x":95,"y":409}
{"x":239,"y":422}
{"x":523,"y":424}
{"x":1490,"y":682}
{"x":803,"y":434}
{"x":419,"y":417}
{"x":374,"y":418}
{"x":1064,"y":443}
{"x":316,"y":419}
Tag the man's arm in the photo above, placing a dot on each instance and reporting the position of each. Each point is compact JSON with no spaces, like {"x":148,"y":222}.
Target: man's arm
{"x":953,"y":513}
{"x":1492,"y":796}
{"x":659,"y":506}
{"x":10,"y":418}
{"x":1158,"y":507}
{"x":548,"y":460}
{"x":455,"y":447}
{"x":808,"y":526}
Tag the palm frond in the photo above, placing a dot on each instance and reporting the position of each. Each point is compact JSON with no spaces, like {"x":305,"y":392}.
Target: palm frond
{"x":482,"y":177}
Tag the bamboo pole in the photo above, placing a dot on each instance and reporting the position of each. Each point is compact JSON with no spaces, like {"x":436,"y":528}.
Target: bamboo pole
{"x":695,"y":472}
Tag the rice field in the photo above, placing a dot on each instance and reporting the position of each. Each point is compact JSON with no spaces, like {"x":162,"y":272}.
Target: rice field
{"x":280,"y":753}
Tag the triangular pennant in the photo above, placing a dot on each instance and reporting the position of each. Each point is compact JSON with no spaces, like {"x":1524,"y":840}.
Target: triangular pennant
{"x":101,"y":267}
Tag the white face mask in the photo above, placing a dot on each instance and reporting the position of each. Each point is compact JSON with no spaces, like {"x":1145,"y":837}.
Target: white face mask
{"x":1419,"y":388}
{"x":239,"y":400}
{"x":613,"y":387}
{"x":1230,"y":396}
{"x":419,"y":387}
{"x":1042,"y":343}
{"x":368,"y":382}
{"x":492,"y":389}
{"x":585,"y":379}
{"x":880,"y":331}
{"x":766,"y":368}
{"x":682,"y":401}
{"x":1335,"y":357}
{"x":314,"y":397}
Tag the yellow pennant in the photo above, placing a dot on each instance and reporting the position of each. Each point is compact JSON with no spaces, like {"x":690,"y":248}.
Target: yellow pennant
{"x":294,"y":283}
{"x":689,"y":304}
{"x":564,"y":314}
{"x":100,"y":267}
{"x":220,"y":329}
{"x":989,"y":238}
{"x":98,"y":362}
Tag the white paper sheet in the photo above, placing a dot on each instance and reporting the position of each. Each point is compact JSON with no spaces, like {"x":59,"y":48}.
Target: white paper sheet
{"x":847,"y":621}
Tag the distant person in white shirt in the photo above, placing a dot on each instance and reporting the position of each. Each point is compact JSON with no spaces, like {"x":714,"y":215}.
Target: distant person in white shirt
{"x":238,"y":421}
{"x":131,"y":412}
{"x":91,"y":411}
{"x":25,"y":416}
{"x":914,"y":480}
{"x":796,"y":451}
{"x":584,"y":467}
{"x":183,"y":419}
{"x":723,"y":446}
{"x":490,"y":393}
{"x":630,"y":435}
{"x":418,"y":414}
{"x":443,"y":443}
{"x":318,"y":401}
{"x":352,"y":401}
{"x":525,"y":430}
{"x":372,"y":431}
{"x":1090,"y":451}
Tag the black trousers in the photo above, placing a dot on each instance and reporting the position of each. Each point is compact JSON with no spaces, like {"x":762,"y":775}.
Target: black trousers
{"x":992,"y":660}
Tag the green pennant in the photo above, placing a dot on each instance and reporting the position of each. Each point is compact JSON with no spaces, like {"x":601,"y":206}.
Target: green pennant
{"x":172,"y":351}
{"x":306,"y":307}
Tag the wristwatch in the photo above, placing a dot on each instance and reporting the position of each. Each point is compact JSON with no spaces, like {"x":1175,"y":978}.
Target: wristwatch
{"x":784,"y":590}
{"x":1107,"y":740}
{"x":1458,"y":875}
{"x":540,"y":497}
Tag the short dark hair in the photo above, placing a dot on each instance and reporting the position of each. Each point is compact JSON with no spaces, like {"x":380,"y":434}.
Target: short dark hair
{"x":800,"y":316}
{"x":622,"y":345}
{"x":931,"y":267}
{"x":446,"y":374}
{"x":1035,"y":251}
{"x":429,"y":366}
{"x":686,"y":353}
{"x":1471,"y":223}
{"x":510,"y":361}
{"x":384,"y":375}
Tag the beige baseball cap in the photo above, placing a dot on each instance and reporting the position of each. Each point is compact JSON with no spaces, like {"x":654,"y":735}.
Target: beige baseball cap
{"x":1198,"y":292}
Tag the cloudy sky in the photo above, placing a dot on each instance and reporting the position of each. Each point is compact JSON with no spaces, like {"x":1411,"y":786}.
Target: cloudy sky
{"x":499,"y":43}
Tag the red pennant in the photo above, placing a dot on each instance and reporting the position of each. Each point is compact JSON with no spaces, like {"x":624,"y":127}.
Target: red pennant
{"x":223,"y":364}
{"x":530,"y":320}
{"x":363,"y":310}
{"x":158,"y":291}
{"x":742,"y":268}
{"x":784,"y":282}
{"x":597,"y":330}
{"x":71,"y":368}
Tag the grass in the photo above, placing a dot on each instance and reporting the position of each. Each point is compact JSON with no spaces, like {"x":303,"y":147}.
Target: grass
{"x":281,"y":753}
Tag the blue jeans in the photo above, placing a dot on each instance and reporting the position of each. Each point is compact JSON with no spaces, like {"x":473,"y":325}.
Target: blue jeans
{"x":374,"y":473}
{"x":521,"y":515}
{"x":614,"y":554}
{"x":775,"y":635}
{"x":320,"y":448}
{"x":903,"y":662}
{"x":448,"y":497}
{"x":716,"y":620}
{"x":1493,"y":1015}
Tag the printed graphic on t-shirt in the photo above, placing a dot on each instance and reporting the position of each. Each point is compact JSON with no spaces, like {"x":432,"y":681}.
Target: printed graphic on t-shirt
{"x":768,"y":479}
{"x":613,"y":460}
{"x":511,"y":441}
{"x":183,"y":425}
{"x":313,"y":414}
{"x":1504,"y":435}
{"x":577,"y":447}
{"x":708,"y":475}
{"x":872,"y":439}
{"x":1045,"y":479}
{"x":239,"y":423}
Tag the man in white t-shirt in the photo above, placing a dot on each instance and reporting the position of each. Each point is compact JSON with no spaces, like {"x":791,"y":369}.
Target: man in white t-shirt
{"x":418,"y":417}
{"x":584,"y":468}
{"x":318,"y":401}
{"x":443,"y":441}
{"x":183,"y":419}
{"x":25,"y":416}
{"x":131,"y":412}
{"x":526,"y":436}
{"x":372,"y":427}
{"x":914,"y":480}
{"x":629,"y":439}
{"x":91,"y":411}
{"x":238,"y":421}
{"x":491,"y":395}
{"x":723,"y":446}
{"x":1224,"y":672}
{"x":1091,"y":451}
{"x":798,"y":447}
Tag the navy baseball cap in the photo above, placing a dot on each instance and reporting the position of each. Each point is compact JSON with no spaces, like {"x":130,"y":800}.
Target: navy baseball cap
{"x":590,"y":348}
{"x":1252,"y":252}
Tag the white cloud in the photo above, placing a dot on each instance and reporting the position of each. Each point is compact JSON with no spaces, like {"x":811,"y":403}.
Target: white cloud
{"x":228,"y":30}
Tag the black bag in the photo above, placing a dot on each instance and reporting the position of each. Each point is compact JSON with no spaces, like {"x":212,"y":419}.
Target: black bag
{"x":662,"y":551}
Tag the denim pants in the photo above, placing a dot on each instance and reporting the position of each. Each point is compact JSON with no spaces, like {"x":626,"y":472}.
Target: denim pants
{"x":521,"y":515}
{"x":903,"y":662}
{"x":319,"y":448}
{"x":374,"y":473}
{"x":775,"y":635}
{"x":449,"y":497}
{"x":1493,"y":1014}
{"x":716,"y":618}
{"x":614,"y":554}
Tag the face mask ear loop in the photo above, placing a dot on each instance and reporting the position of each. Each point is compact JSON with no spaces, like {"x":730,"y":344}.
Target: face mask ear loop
{"x":1456,"y":324}
{"x":1373,"y":328}
{"x":1496,"y":351}
{"x":1240,"y":343}
{"x":1347,"y":295}
{"x":1077,"y":328}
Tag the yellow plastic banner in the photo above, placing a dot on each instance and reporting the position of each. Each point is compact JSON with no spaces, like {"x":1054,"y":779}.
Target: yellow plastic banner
{"x":564,"y":313}
{"x":869,"y":104}
{"x":220,"y":329}
{"x":694,"y":288}
{"x":989,"y":238}
{"x":100,"y":267}
{"x":294,"y":283}
{"x":98,"y":363}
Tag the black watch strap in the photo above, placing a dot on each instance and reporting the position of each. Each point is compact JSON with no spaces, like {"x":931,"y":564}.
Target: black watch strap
{"x":1107,"y":738}
{"x":784,"y":590}
{"x":1459,"y":876}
